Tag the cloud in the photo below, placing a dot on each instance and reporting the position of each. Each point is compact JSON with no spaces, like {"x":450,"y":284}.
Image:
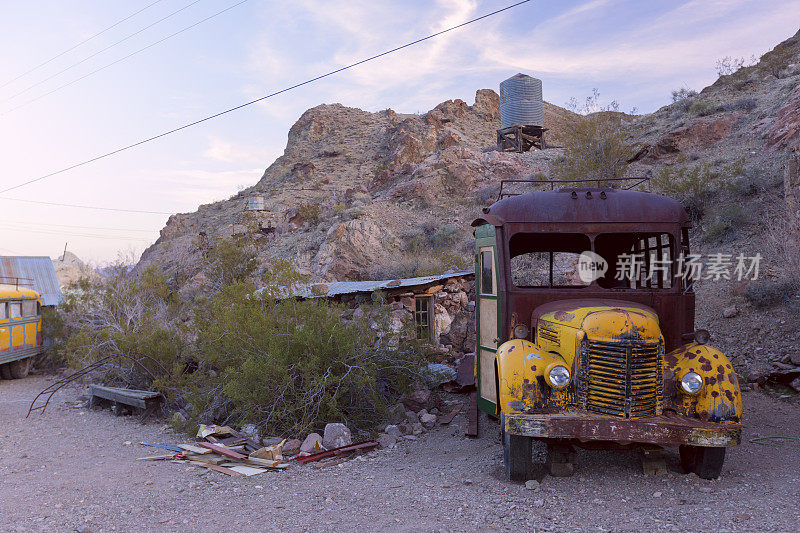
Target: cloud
{"x":193,"y":187}
{"x":230,"y":152}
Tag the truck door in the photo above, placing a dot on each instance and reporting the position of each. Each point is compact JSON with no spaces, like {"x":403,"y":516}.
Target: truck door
{"x":487,"y":317}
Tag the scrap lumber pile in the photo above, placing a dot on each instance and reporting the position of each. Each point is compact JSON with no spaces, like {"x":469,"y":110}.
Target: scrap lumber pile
{"x":230,"y":452}
{"x":224,"y":450}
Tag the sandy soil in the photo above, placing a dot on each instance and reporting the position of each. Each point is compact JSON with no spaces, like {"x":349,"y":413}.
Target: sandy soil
{"x":74,"y":469}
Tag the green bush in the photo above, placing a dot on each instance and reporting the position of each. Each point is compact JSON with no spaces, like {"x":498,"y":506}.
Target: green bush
{"x":290,"y":366}
{"x":598,"y":146}
{"x":692,"y":186}
{"x":724,"y":221}
{"x":764,"y":293}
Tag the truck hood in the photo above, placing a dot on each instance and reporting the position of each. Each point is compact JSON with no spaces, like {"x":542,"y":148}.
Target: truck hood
{"x":601,"y":319}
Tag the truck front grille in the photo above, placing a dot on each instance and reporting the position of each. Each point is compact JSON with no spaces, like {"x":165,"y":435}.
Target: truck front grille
{"x":622,"y":378}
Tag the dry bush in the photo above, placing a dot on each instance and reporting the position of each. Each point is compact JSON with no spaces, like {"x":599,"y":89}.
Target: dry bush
{"x":598,"y":146}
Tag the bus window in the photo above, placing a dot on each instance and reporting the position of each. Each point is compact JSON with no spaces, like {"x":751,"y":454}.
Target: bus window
{"x":3,"y":310}
{"x":15,"y":309}
{"x":29,"y":308}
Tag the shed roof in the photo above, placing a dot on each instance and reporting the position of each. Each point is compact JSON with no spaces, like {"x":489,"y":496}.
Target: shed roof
{"x":338,"y":288}
{"x":37,"y":269}
{"x":581,"y":205}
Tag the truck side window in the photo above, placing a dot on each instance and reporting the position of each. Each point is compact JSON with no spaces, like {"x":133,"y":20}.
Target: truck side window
{"x":29,"y":308}
{"x":487,"y":272}
{"x":3,"y":310}
{"x":15,"y":309}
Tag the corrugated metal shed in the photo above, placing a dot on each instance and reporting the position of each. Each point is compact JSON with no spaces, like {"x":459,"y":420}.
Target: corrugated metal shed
{"x":38,"y":269}
{"x":338,"y":288}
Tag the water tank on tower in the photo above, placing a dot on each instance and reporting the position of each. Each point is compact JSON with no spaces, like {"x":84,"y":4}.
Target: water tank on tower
{"x":521,"y":114}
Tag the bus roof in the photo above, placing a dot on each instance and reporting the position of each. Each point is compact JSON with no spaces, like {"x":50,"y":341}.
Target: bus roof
{"x":583,"y":205}
{"x":12,"y":291}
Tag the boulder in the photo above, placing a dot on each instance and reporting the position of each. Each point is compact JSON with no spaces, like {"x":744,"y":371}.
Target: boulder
{"x":428,"y":420}
{"x":417,"y":429}
{"x":437,"y":374}
{"x":312,"y":443}
{"x":795,"y":384}
{"x":393,"y":431}
{"x":419,"y":400}
{"x":292,"y":447}
{"x":387,"y":441}
{"x":730,"y":312}
{"x":336,"y":436}
{"x":794,"y":357}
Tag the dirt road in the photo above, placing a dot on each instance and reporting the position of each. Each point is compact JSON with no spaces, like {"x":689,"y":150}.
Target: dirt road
{"x":71,"y":469}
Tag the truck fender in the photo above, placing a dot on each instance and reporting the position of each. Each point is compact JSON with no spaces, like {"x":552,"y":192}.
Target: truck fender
{"x":720,"y":399}
{"x":519,"y":365}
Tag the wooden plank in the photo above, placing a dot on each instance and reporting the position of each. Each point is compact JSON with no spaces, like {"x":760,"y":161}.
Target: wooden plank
{"x":164,"y":446}
{"x":472,"y":427}
{"x":247,"y":470}
{"x":209,"y":459}
{"x":268,"y":463}
{"x":337,"y":451}
{"x":221,"y":469}
{"x":156,"y":457}
{"x":194,"y":449}
{"x":222,"y":450}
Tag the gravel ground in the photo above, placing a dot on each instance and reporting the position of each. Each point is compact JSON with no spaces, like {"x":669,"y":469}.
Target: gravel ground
{"x":72,"y":468}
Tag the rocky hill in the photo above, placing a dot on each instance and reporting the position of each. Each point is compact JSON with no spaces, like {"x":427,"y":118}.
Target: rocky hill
{"x":359,"y":195}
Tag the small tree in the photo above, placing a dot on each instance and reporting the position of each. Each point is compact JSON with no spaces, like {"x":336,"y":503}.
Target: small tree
{"x":598,"y":146}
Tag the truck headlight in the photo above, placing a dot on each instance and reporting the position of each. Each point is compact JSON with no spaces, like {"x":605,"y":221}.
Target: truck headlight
{"x":557,"y":376}
{"x":521,"y":331}
{"x":691,"y":383}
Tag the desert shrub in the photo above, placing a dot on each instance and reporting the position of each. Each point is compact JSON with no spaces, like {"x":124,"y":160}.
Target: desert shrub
{"x":598,"y":146}
{"x":430,"y":236}
{"x":692,"y":186}
{"x":701,"y":108}
{"x":729,"y":65}
{"x":227,"y":261}
{"x":745,"y":104}
{"x":310,"y":211}
{"x":764,"y":293}
{"x":289,"y":366}
{"x":776,"y":60}
{"x":723,"y":222}
{"x":129,"y":322}
{"x":682,"y":94}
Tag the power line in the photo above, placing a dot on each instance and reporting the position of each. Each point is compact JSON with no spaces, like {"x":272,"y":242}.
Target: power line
{"x":18,"y":223}
{"x":120,"y":60}
{"x":84,"y":60}
{"x":71,"y":234}
{"x":40,"y":65}
{"x":97,"y":208}
{"x":251,"y":102}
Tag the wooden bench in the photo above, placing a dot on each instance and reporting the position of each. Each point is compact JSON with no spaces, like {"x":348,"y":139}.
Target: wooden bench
{"x":147,"y":401}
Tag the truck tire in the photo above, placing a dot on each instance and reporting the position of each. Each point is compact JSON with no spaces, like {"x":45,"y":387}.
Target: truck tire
{"x":704,"y":461}
{"x":20,"y":368}
{"x":517,"y":455}
{"x":5,"y":371}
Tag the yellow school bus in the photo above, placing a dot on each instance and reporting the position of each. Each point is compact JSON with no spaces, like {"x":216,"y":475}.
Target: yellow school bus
{"x":20,"y":329}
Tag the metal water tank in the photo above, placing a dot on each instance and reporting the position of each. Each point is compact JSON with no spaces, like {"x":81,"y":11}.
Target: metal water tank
{"x":521,"y":102}
{"x":256,"y":203}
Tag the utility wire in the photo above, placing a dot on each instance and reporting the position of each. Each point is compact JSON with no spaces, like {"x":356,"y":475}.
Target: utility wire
{"x":40,"y":65}
{"x":84,"y":60}
{"x":251,"y":102}
{"x":97,"y":208}
{"x":18,"y":223}
{"x":120,"y":60}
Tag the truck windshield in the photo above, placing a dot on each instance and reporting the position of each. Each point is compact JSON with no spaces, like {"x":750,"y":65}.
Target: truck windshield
{"x":547,"y":259}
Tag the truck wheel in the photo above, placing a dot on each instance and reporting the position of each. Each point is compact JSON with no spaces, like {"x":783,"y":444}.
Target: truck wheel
{"x":516,"y":454}
{"x":5,"y":371}
{"x":20,"y":368}
{"x":704,"y":461}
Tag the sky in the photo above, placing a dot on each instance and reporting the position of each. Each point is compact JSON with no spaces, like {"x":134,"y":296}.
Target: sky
{"x":61,"y":103}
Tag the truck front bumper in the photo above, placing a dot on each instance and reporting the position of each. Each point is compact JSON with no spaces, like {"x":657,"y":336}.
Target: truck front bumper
{"x":665,"y":430}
